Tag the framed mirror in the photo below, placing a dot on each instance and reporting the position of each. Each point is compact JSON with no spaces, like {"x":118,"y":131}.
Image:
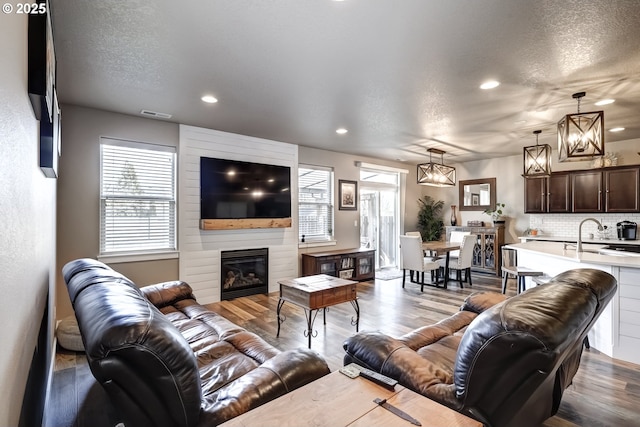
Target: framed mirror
{"x":477,"y":194}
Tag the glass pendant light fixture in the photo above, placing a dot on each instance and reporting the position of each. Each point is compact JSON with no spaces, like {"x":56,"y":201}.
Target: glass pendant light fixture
{"x":537,"y":158}
{"x":581,"y":135}
{"x":436,"y":174}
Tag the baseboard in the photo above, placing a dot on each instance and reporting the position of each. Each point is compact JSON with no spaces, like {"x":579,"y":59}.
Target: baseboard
{"x":52,"y":365}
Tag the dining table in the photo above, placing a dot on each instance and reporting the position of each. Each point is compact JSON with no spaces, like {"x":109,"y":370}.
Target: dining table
{"x":440,"y":247}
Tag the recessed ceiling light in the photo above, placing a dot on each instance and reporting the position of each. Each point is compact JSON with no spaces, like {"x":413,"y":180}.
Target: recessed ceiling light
{"x":209,"y":99}
{"x":341,"y":131}
{"x":605,"y":102}
{"x":618,"y":129}
{"x":491,"y":84}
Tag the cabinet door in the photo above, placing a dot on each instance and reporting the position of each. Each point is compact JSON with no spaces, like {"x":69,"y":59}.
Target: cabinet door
{"x":534,"y":195}
{"x":586,"y":191}
{"x":621,"y":190}
{"x":490,"y":251}
{"x":558,"y":193}
{"x":478,"y":251}
{"x":365,"y":266}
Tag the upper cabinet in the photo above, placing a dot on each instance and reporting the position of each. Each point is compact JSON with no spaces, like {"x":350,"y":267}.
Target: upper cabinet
{"x":621,"y":190}
{"x":548,"y":194}
{"x":585,"y":191}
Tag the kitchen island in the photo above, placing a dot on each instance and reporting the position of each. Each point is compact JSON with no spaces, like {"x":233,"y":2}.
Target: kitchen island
{"x":617,"y":331}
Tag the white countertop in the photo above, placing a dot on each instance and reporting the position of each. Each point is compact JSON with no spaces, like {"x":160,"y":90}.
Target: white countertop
{"x":589,"y":255}
{"x":546,"y":238}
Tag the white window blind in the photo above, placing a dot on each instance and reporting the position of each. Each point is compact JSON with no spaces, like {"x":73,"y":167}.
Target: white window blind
{"x":315,"y":203}
{"x":137,"y":197}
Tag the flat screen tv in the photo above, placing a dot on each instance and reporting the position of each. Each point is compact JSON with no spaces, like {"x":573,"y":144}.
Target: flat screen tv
{"x":231,"y":189}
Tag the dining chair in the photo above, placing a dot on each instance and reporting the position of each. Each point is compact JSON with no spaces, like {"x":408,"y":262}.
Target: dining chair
{"x":464,"y":261}
{"x":456,"y":237}
{"x":413,"y":233}
{"x":413,"y":259}
{"x":418,"y":234}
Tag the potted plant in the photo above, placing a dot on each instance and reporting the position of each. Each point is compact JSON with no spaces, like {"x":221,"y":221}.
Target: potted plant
{"x":430,"y":221}
{"x":496,"y":213}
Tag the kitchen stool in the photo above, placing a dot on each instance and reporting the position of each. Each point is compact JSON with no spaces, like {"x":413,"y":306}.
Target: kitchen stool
{"x":510,"y":267}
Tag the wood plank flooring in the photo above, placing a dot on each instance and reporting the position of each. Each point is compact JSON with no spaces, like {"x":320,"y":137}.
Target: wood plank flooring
{"x":605,"y":392}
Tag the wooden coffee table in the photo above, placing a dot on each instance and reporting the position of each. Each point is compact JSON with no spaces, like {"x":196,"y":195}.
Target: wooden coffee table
{"x":314,"y":293}
{"x":335,"y":400}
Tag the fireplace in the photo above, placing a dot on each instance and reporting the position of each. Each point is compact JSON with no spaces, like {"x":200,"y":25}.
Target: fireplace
{"x":244,"y":272}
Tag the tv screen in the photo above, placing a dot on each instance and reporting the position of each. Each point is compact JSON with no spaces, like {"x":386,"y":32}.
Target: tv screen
{"x":232,"y":189}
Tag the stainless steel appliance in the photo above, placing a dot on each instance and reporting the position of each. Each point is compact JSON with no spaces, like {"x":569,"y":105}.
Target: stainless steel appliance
{"x":627,"y":230}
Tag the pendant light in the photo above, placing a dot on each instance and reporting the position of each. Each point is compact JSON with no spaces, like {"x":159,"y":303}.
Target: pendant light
{"x":537,"y":158}
{"x":581,"y":135}
{"x":436,"y":174}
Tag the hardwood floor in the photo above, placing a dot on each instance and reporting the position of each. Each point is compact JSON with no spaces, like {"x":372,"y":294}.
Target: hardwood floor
{"x":605,"y":392}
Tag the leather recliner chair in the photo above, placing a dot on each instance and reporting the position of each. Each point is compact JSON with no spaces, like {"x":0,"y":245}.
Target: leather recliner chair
{"x":167,"y":361}
{"x":503,"y":361}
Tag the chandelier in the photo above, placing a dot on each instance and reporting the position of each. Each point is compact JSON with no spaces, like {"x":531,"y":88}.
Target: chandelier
{"x":537,"y":158}
{"x":581,"y":135}
{"x":436,"y":174}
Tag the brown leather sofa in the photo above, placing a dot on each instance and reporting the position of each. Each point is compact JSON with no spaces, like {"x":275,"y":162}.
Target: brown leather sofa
{"x":166,"y":360}
{"x":503,"y":361}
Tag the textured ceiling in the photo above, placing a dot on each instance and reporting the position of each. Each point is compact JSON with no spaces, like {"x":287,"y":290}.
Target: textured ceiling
{"x":401,"y":76}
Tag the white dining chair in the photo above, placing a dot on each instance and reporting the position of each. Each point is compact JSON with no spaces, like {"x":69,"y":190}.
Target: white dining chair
{"x":413,"y":259}
{"x":464,"y":260}
{"x":456,"y":237}
{"x":414,"y":233}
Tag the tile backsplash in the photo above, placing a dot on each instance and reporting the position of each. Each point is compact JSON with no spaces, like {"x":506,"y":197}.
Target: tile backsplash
{"x":566,"y":225}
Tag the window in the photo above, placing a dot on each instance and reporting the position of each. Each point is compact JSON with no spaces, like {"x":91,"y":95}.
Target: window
{"x":315,"y":203}
{"x":137,"y":197}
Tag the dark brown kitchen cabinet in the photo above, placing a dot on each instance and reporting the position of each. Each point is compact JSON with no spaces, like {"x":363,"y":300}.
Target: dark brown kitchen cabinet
{"x":611,"y":189}
{"x":559,"y":193}
{"x":535,"y":192}
{"x":621,"y":190}
{"x":547,"y":194}
{"x":586,"y":191}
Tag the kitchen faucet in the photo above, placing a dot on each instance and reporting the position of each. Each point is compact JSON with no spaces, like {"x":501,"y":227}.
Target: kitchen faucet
{"x":579,"y":242}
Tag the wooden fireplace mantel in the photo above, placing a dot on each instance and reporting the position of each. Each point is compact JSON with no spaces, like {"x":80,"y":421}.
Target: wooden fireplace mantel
{"x":233,"y":224}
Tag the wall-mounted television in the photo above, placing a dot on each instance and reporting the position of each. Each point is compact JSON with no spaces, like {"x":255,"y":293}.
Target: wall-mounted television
{"x":231,"y":189}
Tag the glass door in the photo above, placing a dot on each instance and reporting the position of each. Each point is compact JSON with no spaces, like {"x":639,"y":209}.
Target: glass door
{"x":379,"y":207}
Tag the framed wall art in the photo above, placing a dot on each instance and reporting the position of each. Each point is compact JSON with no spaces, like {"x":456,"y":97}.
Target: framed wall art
{"x":347,"y":195}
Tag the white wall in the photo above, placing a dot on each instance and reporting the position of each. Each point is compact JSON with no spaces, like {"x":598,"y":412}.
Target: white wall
{"x":27,"y":215}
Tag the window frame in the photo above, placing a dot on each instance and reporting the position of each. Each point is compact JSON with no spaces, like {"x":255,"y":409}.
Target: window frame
{"x":328,"y":237}
{"x":140,"y":253}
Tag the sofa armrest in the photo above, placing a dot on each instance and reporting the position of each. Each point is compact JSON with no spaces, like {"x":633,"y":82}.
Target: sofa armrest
{"x":167,"y":293}
{"x":277,"y":376}
{"x":392,"y":358}
{"x":478,"y":302}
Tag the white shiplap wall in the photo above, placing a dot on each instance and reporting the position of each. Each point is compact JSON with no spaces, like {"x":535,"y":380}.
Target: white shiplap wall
{"x":200,"y":249}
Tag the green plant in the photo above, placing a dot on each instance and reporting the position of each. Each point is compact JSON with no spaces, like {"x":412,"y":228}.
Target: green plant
{"x":496,"y":212}
{"x":430,"y":221}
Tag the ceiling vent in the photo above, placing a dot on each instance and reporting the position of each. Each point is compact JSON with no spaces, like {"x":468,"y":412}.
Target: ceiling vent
{"x":155,"y":114}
